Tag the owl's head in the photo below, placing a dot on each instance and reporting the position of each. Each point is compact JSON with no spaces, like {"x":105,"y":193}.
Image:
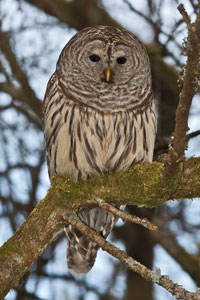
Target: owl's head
{"x":105,"y":55}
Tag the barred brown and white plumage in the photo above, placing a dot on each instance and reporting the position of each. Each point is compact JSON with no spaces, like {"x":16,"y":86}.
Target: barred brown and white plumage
{"x":98,"y":116}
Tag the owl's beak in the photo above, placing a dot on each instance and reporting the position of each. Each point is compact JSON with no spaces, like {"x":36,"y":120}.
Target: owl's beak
{"x":108,"y":74}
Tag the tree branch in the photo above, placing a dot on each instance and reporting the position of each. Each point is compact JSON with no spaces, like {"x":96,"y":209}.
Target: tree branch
{"x":77,"y":13}
{"x":190,"y":86}
{"x":124,"y":216}
{"x":155,"y":276}
{"x":192,"y":134}
{"x":144,"y":184}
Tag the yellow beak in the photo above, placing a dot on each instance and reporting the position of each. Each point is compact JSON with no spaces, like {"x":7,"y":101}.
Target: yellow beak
{"x":107,"y":74}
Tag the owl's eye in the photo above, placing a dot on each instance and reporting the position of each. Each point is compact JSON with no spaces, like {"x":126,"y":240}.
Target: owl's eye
{"x":121,"y":60}
{"x":94,"y":58}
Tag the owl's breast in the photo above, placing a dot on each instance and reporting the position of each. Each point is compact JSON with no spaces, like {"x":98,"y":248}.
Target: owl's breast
{"x":90,"y":142}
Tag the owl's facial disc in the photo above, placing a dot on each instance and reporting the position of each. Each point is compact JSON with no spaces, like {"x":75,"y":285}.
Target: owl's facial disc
{"x":108,"y":63}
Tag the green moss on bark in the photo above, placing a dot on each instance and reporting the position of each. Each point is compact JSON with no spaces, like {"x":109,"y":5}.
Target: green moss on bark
{"x":144,"y":184}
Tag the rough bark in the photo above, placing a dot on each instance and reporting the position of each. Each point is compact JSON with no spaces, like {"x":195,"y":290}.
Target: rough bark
{"x":144,"y":184}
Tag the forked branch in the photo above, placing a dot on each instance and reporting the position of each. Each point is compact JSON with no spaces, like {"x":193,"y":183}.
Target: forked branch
{"x":144,"y":184}
{"x":155,"y":276}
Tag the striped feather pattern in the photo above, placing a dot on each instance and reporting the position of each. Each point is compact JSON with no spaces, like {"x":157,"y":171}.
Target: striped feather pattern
{"x":93,"y":127}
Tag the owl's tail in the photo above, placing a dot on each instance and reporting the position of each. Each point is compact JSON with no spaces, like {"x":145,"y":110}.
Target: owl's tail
{"x":82,"y":251}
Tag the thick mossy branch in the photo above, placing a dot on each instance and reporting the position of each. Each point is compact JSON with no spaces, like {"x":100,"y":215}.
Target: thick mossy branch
{"x":28,"y":243}
{"x":144,"y":184}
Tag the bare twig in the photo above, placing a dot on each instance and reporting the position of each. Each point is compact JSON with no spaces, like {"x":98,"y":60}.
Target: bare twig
{"x":139,"y":13}
{"x":192,"y":134}
{"x":154,"y":276}
{"x":184,"y":14}
{"x":124,"y":216}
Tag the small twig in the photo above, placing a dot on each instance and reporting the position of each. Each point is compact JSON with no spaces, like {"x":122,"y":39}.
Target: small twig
{"x":126,"y":217}
{"x":184,"y":14}
{"x":192,"y":134}
{"x":155,"y":276}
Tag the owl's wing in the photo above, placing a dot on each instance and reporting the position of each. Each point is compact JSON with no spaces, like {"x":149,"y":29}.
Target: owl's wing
{"x":51,"y":120}
{"x":51,"y":86}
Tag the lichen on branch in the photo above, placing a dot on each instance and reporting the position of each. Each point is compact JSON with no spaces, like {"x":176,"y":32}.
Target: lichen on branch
{"x":144,"y":184}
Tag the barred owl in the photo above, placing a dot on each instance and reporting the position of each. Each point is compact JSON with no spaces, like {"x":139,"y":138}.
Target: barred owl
{"x":98,"y":116}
